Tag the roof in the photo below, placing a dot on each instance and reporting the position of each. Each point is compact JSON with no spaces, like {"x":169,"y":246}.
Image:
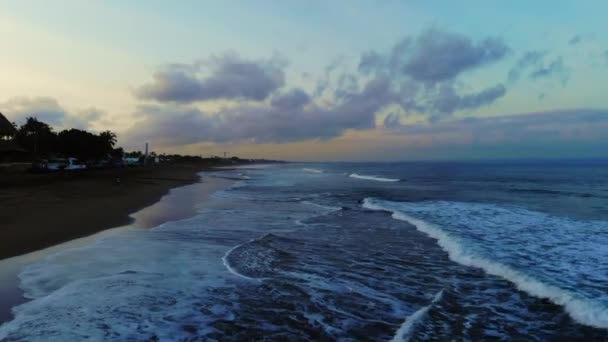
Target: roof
{"x":6,"y":127}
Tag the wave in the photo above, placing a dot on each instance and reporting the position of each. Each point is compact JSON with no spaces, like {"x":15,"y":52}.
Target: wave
{"x":257,"y":259}
{"x":373,"y":178}
{"x":582,"y":310}
{"x":328,"y":208}
{"x":312,"y":170}
{"x":229,"y":266}
{"x":407,"y":328}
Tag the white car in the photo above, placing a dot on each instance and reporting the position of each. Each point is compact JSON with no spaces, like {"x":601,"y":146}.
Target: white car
{"x":56,"y":164}
{"x":75,"y":164}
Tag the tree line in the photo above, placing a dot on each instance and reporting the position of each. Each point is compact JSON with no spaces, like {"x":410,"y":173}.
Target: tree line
{"x":40,"y":139}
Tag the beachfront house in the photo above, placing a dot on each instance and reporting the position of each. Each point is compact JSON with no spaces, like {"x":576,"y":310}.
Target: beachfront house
{"x":7,"y":130}
{"x":9,"y":150}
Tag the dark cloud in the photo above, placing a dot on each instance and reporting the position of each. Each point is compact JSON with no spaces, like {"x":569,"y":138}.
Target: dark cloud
{"x":438,"y":56}
{"x":446,"y":100}
{"x":577,"y":133}
{"x":527,"y":60}
{"x":434,"y":56}
{"x":224,"y":77}
{"x":291,"y":100}
{"x":565,"y":126}
{"x":417,"y":73}
{"x":533,"y":63}
{"x":555,"y":68}
{"x":48,"y":110}
{"x":285,"y":120}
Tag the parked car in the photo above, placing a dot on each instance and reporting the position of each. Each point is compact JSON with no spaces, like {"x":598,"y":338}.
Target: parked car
{"x":56,"y":164}
{"x":74,"y":164}
{"x":132,"y":161}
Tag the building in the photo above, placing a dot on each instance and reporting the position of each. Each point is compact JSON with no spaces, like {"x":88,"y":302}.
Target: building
{"x":7,"y":130}
{"x":9,"y":150}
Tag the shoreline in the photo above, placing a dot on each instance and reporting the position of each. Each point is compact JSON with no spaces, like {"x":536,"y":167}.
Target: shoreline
{"x":186,"y":198}
{"x":39,"y":211}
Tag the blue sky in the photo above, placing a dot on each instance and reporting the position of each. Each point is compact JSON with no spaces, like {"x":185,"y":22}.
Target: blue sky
{"x":328,"y":80}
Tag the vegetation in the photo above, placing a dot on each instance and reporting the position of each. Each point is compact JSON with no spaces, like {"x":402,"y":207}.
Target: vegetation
{"x":39,"y":138}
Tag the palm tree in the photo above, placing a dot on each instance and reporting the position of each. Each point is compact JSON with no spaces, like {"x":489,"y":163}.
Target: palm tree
{"x":108,"y":138}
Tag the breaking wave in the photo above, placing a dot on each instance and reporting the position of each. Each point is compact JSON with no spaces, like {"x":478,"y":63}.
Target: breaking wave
{"x":583,"y":310}
{"x":373,"y":178}
{"x":312,"y":170}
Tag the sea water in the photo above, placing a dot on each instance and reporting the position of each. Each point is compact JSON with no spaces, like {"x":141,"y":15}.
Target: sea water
{"x":401,"y":251}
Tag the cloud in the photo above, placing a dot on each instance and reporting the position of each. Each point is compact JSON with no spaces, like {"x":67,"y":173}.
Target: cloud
{"x":575,"y":39}
{"x":579,"y":124}
{"x":223,"y":77}
{"x":424,"y":71}
{"x":392,"y":120}
{"x":578,"y":132}
{"x":417,"y":73}
{"x":527,"y":60}
{"x":287,"y":119}
{"x":447,"y":101}
{"x":435,"y":56}
{"x":554,"y":68}
{"x":293,"y":99}
{"x":533,"y":63}
{"x":48,"y":110}
{"x":605,"y":54}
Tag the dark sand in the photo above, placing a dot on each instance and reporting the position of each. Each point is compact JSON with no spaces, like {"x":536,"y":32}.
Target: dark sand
{"x":41,"y":210}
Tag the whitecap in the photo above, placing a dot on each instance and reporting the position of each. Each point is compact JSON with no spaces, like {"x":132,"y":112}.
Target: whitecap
{"x":373,"y":178}
{"x":312,"y":170}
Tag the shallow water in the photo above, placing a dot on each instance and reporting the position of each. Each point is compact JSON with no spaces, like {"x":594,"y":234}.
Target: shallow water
{"x":307,"y":252}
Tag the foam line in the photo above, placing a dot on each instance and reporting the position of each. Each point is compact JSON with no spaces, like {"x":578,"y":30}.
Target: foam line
{"x":407,"y":328}
{"x":373,"y":178}
{"x":581,"y":310}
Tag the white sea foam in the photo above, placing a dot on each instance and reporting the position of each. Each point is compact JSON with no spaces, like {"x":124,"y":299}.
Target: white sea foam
{"x":407,"y":328}
{"x":312,"y":170}
{"x":234,"y":271}
{"x":583,"y":310}
{"x":373,"y":178}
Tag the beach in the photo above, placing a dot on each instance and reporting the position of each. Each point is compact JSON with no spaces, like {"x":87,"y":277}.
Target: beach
{"x":41,"y":210}
{"x":171,"y":203}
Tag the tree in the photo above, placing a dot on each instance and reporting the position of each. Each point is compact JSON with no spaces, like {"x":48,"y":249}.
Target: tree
{"x":37,"y":137}
{"x":109,"y":138}
{"x":117,"y":153}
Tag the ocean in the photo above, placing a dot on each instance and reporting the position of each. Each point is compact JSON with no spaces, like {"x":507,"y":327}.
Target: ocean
{"x":346,"y":251}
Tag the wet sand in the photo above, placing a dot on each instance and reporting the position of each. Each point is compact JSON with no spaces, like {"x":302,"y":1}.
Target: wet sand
{"x":179,"y":203}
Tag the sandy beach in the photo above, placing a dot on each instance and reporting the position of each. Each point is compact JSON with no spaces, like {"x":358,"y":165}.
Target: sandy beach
{"x":175,"y":200}
{"x":41,"y":210}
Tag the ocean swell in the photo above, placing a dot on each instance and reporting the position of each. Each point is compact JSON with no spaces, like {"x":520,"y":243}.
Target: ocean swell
{"x":582,"y":310}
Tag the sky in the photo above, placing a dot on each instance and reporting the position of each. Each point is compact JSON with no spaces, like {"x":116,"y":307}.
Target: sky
{"x":315,"y":80}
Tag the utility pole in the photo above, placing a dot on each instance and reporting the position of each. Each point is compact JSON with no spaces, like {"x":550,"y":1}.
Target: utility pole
{"x":146,"y":155}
